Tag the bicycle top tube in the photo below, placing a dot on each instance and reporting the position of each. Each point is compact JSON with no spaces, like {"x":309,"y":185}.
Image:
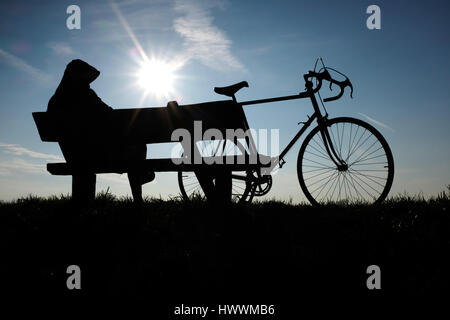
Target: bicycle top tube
{"x":301,"y":95}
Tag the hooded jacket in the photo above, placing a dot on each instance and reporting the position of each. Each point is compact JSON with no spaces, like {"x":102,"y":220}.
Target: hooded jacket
{"x":81,"y":117}
{"x":74,"y":94}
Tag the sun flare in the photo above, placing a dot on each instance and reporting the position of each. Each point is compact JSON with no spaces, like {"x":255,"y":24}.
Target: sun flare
{"x":157,"y":77}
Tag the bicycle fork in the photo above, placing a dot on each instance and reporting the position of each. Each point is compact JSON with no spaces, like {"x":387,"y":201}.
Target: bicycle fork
{"x":329,"y":147}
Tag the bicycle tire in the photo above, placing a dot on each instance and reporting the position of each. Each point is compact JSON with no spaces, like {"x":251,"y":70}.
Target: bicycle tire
{"x":312,"y":167}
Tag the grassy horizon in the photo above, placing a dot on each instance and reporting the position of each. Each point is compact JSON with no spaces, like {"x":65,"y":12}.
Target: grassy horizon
{"x":105,"y":195}
{"x":174,"y":249}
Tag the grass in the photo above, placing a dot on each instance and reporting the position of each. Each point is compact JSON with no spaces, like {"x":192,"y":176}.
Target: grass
{"x":176,"y":249}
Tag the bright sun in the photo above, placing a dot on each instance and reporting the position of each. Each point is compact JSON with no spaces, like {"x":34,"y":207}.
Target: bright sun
{"x":157,"y":77}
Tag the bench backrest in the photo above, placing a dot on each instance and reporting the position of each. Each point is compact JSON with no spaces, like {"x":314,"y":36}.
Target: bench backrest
{"x":46,"y":126}
{"x":154,"y":125}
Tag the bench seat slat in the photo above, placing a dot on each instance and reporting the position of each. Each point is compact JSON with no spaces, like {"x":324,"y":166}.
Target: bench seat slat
{"x":235,"y":163}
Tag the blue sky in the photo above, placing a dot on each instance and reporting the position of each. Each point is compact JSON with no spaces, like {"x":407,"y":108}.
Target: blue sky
{"x":400,"y":74}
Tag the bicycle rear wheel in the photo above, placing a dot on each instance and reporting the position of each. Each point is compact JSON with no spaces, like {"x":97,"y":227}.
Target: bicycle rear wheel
{"x":240,"y":184}
{"x":369,"y":173}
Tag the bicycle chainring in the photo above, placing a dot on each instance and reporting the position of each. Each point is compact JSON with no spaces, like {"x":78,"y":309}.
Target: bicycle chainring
{"x":263,"y":185}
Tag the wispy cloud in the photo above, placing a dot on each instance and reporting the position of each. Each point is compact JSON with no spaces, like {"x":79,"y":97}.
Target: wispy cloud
{"x":381,"y":124}
{"x":61,"y":48}
{"x":7,"y":167}
{"x":191,"y":19}
{"x":19,"y":164}
{"x":17,"y":150}
{"x":122,"y":179}
{"x":142,"y":19}
{"x":26,"y":68}
{"x":202,"y":39}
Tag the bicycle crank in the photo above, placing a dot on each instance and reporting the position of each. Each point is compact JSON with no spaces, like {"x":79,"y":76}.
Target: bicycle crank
{"x":262,"y":185}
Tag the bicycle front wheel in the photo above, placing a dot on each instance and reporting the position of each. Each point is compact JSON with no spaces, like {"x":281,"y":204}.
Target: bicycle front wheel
{"x":369,"y":171}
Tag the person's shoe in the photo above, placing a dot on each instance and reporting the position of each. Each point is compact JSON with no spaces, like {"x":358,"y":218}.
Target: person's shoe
{"x":148,"y":177}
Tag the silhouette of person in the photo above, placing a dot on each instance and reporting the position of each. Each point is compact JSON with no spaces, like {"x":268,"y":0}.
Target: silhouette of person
{"x":87,"y":136}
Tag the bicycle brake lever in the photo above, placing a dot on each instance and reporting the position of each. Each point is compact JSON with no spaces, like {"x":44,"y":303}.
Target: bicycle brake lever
{"x":351,"y":88}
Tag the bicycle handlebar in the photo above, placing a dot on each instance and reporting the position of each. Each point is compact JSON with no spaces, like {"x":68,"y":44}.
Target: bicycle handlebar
{"x":325,"y":75}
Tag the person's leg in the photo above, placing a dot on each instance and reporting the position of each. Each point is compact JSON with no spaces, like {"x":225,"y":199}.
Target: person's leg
{"x":139,"y":153}
{"x":83,"y":188}
{"x":130,"y":156}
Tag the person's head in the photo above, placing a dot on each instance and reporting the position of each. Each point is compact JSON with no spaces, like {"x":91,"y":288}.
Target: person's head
{"x":80,"y":73}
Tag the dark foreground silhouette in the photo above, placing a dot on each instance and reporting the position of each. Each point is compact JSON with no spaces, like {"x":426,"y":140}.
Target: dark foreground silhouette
{"x":94,"y":139}
{"x":265,"y":252}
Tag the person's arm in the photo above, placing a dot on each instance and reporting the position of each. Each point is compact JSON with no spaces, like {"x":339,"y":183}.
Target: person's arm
{"x":97,"y":103}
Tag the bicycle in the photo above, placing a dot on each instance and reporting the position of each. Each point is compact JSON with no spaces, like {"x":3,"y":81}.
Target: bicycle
{"x":342,"y":160}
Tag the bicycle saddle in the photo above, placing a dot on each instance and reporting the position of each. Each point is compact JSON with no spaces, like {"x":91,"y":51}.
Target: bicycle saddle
{"x":231,"y":90}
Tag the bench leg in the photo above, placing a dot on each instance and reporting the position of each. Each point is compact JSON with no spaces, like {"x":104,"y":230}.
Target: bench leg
{"x":83,"y":187}
{"x":218,"y":191}
{"x":136,"y":185}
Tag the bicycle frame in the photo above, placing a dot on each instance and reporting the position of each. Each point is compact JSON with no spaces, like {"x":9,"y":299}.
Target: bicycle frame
{"x":321,"y":121}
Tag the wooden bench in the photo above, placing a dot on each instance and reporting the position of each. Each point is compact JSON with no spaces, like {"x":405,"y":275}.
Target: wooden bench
{"x":148,"y":126}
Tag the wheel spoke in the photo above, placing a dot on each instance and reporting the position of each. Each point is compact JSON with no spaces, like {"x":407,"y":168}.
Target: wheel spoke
{"x":362,"y":143}
{"x":309,"y":171}
{"x":356,"y":189}
{"x":364,"y":154}
{"x":368,"y":185}
{"x":335,"y":186}
{"x":326,"y":182}
{"x":342,"y":139}
{"x":324,"y":185}
{"x":323,"y":154}
{"x":356,"y":144}
{"x":324,"y":165}
{"x":364,"y":159}
{"x":349,"y":196}
{"x":353,"y":139}
{"x":308,"y":166}
{"x":368,"y":163}
{"x":316,"y":175}
{"x":367,"y":177}
{"x":363,"y":187}
{"x":329,"y":189}
{"x":320,"y":180}
{"x":371,"y":158}
{"x":326,"y":158}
